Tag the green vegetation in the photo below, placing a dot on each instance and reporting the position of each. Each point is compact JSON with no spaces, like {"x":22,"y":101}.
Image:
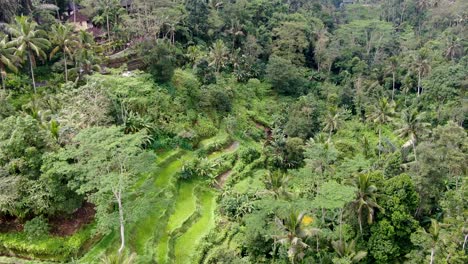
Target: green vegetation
{"x":233,"y":131}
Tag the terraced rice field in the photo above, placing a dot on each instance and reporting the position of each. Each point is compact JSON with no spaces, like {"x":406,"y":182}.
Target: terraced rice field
{"x":185,"y":245}
{"x":177,"y":215}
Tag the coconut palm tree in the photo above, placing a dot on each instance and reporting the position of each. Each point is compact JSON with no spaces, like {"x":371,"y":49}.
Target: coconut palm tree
{"x":334,"y":120}
{"x":63,"y":40}
{"x":294,"y":234}
{"x":392,"y":68}
{"x":365,"y":199}
{"x":28,"y":42}
{"x":381,"y":113}
{"x":86,"y":60}
{"x":454,"y":47}
{"x":7,"y":58}
{"x":218,"y":55}
{"x":422,"y":66}
{"x":348,"y":251}
{"x":412,"y":126}
{"x":276,"y":183}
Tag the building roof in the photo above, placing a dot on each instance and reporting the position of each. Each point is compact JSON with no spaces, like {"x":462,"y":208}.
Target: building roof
{"x":79,"y":18}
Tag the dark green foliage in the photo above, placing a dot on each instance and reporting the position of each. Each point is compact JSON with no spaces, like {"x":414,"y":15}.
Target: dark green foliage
{"x":216,"y":98}
{"x":285,"y":77}
{"x":303,"y":117}
{"x":160,"y":59}
{"x":204,"y":72}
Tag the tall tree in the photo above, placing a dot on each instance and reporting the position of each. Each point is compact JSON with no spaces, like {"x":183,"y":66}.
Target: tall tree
{"x":29,"y":42}
{"x":7,"y":58}
{"x":422,"y":66}
{"x":333,"y":120}
{"x":381,"y":113}
{"x":63,"y":40}
{"x":412,"y":126}
{"x":366,"y":198}
{"x":105,"y":162}
{"x":218,"y":55}
{"x":392,"y":68}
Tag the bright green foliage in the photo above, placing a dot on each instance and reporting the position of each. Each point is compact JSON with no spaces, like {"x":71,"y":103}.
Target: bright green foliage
{"x":104,"y":167}
{"x":23,"y":143}
{"x":390,"y":236}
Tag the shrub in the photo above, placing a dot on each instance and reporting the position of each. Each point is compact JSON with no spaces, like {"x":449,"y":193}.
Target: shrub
{"x":249,"y":154}
{"x":36,"y":227}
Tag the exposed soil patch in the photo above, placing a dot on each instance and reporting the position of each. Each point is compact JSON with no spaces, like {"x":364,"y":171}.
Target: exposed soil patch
{"x":10,"y":224}
{"x":267,"y":130}
{"x":233,"y":146}
{"x":222,"y":178}
{"x":68,"y":224}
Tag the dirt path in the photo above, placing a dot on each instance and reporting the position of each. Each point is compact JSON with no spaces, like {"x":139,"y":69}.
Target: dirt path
{"x":233,"y":146}
{"x":222,"y":178}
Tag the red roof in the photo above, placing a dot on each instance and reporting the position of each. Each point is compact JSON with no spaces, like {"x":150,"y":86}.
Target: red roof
{"x":79,"y":18}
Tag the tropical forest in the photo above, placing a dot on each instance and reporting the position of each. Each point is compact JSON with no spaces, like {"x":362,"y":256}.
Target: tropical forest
{"x":233,"y":131}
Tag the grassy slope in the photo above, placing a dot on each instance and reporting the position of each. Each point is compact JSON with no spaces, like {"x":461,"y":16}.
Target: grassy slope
{"x":153,"y":222}
{"x":186,"y":244}
{"x":185,"y":207}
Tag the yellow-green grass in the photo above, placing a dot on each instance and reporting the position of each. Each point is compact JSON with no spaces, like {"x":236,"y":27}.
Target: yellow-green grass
{"x":185,"y":207}
{"x":145,"y":228}
{"x":186,"y":244}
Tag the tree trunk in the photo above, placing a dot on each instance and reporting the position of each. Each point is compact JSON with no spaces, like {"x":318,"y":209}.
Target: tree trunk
{"x":118,"y":197}
{"x":380,"y":140}
{"x":2,"y":70}
{"x":419,"y":82}
{"x":32,"y":72}
{"x":341,"y":225}
{"x":108,"y":27}
{"x":66,"y":66}
{"x":432,"y":255}
{"x":464,"y":242}
{"x":393,"y":87}
{"x":414,"y":150}
{"x":74,"y":12}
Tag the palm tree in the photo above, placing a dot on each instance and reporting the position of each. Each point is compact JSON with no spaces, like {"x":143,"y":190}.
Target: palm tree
{"x":218,"y":55}
{"x":194,"y":53}
{"x":454,"y":47}
{"x":334,"y":120}
{"x":7,"y":59}
{"x":422,"y":65}
{"x":366,"y":199}
{"x":348,"y":250}
{"x":392,"y":68}
{"x":235,"y":31}
{"x":62,"y":38}
{"x":294,"y":234}
{"x":381,"y":113}
{"x":86,"y":60}
{"x":29,"y":42}
{"x":434,"y":232}
{"x":412,"y":126}
{"x":276,"y":183}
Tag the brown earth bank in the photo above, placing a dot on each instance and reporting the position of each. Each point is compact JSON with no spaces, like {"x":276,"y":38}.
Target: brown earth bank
{"x":66,"y":225}
{"x":60,"y":225}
